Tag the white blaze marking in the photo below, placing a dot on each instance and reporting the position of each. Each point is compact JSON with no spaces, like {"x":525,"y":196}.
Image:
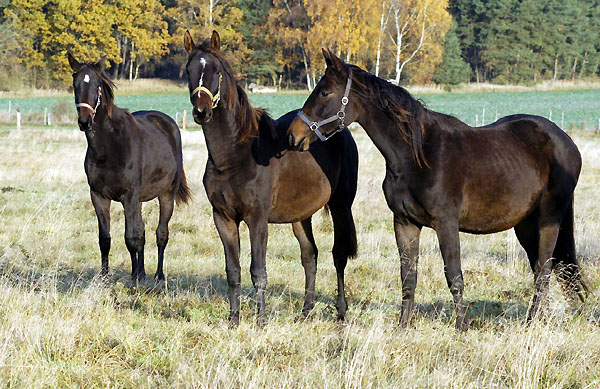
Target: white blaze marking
{"x":86,"y":78}
{"x":203,"y":63}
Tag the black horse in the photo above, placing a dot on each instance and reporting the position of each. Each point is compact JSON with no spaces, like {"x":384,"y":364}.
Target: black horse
{"x":441,"y":173}
{"x":130,"y":158}
{"x":252,"y":177}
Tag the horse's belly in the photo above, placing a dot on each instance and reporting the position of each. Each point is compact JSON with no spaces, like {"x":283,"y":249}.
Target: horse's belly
{"x":499,"y":213}
{"x":300,"y":189}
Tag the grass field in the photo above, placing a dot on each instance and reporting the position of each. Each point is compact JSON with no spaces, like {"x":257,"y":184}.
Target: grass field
{"x":570,"y":109}
{"x":61,"y":327}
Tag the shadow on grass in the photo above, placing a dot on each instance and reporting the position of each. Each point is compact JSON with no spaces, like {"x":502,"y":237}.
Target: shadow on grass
{"x":184,"y":293}
{"x":481,"y":313}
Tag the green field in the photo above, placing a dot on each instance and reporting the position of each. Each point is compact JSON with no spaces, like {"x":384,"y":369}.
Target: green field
{"x":581,"y":108}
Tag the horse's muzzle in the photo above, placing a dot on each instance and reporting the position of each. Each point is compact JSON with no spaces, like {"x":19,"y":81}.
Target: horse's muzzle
{"x":202,"y":116}
{"x":85,"y":123}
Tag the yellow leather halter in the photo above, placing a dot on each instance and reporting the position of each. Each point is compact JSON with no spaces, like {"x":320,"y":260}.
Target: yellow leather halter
{"x":213,"y":98}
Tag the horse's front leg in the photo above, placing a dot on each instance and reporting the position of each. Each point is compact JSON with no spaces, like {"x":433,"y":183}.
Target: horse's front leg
{"x":407,"y":239}
{"x":259,"y":231}
{"x":229,"y":233}
{"x":134,"y":235}
{"x":102,"y":208}
{"x":447,"y":233}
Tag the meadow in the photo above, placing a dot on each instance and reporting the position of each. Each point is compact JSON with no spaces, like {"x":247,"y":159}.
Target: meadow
{"x":570,"y":109}
{"x":60,"y":325}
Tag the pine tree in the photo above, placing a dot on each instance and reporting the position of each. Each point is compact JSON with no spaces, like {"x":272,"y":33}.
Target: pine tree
{"x":453,"y":70}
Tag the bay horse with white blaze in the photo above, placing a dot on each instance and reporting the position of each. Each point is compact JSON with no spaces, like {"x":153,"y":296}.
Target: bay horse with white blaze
{"x":251,"y":176}
{"x":519,"y":172}
{"x":130,"y":158}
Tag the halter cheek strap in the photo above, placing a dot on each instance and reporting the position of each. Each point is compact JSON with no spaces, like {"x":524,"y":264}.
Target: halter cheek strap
{"x":213,"y":98}
{"x":340,"y":115}
{"x":93,"y":109}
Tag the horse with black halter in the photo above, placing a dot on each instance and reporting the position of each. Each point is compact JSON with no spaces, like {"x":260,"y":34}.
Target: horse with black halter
{"x":252,"y":177}
{"x":130,"y":158}
{"x":518,"y":172}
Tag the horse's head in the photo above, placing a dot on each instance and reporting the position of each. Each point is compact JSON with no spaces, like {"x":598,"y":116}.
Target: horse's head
{"x":87,"y":86}
{"x":328,"y":108}
{"x":205,"y":76}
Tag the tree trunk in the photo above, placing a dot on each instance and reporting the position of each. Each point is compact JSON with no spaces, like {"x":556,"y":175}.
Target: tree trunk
{"x":398,"y":45}
{"x":583,"y":62}
{"x":574,"y":69}
{"x":308,"y":85}
{"x":555,"y":67}
{"x":382,"y":26}
{"x":131,"y":60}
{"x":417,"y":49}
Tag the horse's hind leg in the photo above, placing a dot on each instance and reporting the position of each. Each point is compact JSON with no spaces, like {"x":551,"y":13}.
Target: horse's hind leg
{"x":308,"y":253}
{"x":407,"y":239}
{"x":566,"y":265}
{"x":448,"y":238}
{"x":134,"y":235}
{"x":550,"y":218}
{"x":528,"y":234}
{"x":344,"y":247}
{"x":162,"y":231}
{"x":102,"y":208}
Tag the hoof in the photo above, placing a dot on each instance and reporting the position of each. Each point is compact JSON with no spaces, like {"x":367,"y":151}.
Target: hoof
{"x":462,"y":326}
{"x":234,"y":321}
{"x":261,"y":321}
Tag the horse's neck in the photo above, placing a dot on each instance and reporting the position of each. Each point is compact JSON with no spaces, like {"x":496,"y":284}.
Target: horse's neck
{"x":386,"y":137}
{"x":106,"y":133}
{"x":222,"y":141}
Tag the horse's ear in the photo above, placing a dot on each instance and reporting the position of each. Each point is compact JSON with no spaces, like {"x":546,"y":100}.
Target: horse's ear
{"x":75,"y":65}
{"x":334,"y":63}
{"x":101,"y":64}
{"x":188,"y":42}
{"x":326,"y":56}
{"x":215,"y":41}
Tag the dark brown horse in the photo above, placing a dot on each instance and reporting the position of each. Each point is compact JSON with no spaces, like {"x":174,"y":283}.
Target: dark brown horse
{"x":130,"y":158}
{"x":252,"y":177}
{"x":441,"y":173}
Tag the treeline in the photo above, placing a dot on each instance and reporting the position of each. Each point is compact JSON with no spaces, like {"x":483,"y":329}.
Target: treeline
{"x":278,"y":42}
{"x":524,"y":41}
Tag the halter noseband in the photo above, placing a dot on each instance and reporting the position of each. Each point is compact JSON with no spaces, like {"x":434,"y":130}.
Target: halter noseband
{"x":214,"y":99}
{"x":86,"y":105}
{"x":340,"y":115}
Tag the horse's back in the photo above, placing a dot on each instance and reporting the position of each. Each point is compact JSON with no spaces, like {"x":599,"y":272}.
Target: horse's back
{"x":499,"y":172}
{"x":161,"y":165}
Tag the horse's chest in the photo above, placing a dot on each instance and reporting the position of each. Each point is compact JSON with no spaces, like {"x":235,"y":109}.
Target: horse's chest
{"x":110,"y":183}
{"x":401,"y":201}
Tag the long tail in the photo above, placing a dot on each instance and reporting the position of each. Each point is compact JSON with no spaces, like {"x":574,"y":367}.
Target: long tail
{"x":183,"y":194}
{"x":565,"y":262}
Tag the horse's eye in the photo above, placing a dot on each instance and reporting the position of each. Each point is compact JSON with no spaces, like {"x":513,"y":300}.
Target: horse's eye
{"x":324,"y":93}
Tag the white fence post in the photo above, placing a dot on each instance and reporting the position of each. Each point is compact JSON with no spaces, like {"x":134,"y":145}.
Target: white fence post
{"x":184,"y":117}
{"x":18,"y":119}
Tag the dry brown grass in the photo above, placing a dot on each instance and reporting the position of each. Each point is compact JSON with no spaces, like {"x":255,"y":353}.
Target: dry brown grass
{"x":60,"y":326}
